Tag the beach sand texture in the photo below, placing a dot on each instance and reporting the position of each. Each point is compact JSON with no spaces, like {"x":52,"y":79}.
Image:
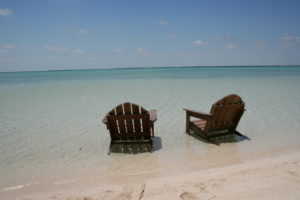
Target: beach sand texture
{"x":275,"y":177}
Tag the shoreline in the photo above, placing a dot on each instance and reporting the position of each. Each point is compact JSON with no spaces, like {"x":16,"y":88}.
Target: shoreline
{"x":268,"y":176}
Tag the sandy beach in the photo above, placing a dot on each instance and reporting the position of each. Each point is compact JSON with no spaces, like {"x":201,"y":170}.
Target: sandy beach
{"x":275,"y":176}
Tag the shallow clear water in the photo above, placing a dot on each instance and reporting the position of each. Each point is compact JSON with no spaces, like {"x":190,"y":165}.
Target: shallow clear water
{"x":51,"y":128}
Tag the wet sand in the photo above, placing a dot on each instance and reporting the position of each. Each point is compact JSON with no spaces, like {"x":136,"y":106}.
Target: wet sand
{"x":275,"y":176}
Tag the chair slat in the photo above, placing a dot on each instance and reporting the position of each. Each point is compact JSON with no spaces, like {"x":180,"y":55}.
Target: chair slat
{"x":137,"y":123}
{"x":146,"y":124}
{"x":121,"y":122}
{"x":143,"y":110}
{"x":113,"y":126}
{"x":129,"y":122}
{"x":112,"y":112}
{"x":225,"y":116}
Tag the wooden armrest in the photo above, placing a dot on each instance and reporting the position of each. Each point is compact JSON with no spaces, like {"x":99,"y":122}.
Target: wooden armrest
{"x":104,"y":120}
{"x":153,"y":115}
{"x":198,"y":114}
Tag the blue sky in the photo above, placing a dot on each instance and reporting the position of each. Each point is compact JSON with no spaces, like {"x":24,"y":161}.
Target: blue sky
{"x":87,"y":34}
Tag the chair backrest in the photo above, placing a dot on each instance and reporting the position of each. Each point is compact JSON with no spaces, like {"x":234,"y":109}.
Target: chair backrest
{"x":129,"y":121}
{"x":226,"y":113}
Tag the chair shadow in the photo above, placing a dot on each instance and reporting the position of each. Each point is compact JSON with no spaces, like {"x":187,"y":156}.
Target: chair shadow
{"x":221,"y":138}
{"x":135,"y":148}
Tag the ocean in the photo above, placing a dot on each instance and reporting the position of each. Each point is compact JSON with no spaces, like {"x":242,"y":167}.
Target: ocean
{"x":51,"y":131}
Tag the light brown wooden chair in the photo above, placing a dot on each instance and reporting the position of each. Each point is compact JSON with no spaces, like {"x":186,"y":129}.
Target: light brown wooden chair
{"x":130,"y":123}
{"x":223,"y":118}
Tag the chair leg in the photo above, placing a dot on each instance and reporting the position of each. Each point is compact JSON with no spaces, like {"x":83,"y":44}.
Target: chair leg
{"x":187,"y":128}
{"x":152,"y":129}
{"x":110,"y":148}
{"x":239,"y":134}
{"x":151,"y":145}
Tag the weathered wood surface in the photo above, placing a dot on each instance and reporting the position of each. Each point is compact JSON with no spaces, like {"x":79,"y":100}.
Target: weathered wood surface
{"x":129,"y":122}
{"x":224,"y":115}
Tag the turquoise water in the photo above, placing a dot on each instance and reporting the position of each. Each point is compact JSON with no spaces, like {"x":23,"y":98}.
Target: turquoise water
{"x":146,"y":73}
{"x":51,"y":130}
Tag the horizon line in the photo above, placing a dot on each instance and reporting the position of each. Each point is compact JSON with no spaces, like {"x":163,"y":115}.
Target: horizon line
{"x":126,"y":68}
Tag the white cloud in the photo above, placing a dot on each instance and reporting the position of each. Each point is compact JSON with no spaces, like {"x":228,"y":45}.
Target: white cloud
{"x":7,"y":46}
{"x":55,"y":48}
{"x":162,"y":22}
{"x":199,"y":43}
{"x":52,"y":57}
{"x":6,"y":12}
{"x":78,"y":51}
{"x":231,"y":46}
{"x":83,"y":32}
{"x":118,"y":50}
{"x":141,"y":50}
{"x":290,"y":40}
{"x":259,"y":44}
{"x":172,"y":36}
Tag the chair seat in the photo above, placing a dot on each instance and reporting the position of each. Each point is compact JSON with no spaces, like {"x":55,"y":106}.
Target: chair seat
{"x":199,"y":123}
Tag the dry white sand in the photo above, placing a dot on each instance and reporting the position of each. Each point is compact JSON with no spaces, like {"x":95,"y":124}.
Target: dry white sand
{"x":275,"y":177}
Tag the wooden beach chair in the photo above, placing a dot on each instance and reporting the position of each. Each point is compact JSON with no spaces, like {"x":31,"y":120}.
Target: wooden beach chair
{"x":223,"y":118}
{"x":130,"y":123}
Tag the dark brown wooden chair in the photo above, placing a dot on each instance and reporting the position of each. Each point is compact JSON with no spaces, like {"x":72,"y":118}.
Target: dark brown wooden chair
{"x":130,"y":123}
{"x":223,"y":118}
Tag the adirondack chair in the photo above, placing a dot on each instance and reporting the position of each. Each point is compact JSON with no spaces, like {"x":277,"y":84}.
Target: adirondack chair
{"x":130,"y":123}
{"x":223,"y":118}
